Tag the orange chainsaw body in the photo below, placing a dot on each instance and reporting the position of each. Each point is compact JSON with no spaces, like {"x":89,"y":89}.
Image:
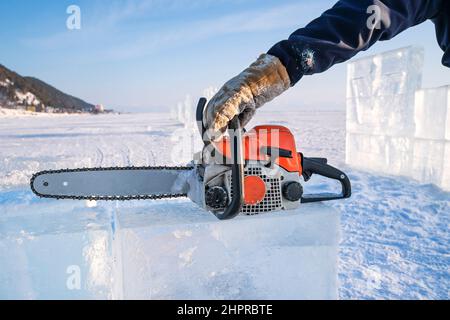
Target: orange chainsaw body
{"x":267,"y":137}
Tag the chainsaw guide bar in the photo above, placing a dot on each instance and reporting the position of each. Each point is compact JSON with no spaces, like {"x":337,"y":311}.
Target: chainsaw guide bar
{"x":41,"y":175}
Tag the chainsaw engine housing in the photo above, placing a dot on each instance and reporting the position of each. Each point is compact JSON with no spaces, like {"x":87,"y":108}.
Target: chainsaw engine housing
{"x":272,"y":172}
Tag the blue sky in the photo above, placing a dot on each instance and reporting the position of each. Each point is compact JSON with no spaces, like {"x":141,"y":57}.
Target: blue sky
{"x":146,"y":55}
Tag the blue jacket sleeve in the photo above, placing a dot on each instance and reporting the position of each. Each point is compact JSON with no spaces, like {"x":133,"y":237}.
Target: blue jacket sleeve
{"x":348,"y":28}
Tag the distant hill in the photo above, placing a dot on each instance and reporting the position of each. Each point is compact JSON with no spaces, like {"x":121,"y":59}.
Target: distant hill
{"x":19,"y":92}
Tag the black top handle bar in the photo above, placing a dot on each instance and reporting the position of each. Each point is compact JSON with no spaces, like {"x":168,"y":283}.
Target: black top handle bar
{"x":237,"y":165}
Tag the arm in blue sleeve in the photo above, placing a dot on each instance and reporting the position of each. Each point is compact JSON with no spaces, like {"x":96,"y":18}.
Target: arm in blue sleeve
{"x":346,"y":29}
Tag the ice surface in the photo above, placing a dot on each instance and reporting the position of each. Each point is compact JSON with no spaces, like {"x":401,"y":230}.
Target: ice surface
{"x":432,"y":113}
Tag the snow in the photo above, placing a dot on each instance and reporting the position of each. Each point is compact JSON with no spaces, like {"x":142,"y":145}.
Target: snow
{"x":185,"y":112}
{"x":5,"y":113}
{"x":393,"y":126}
{"x":6,"y":83}
{"x":27,"y":98}
{"x":394,"y":231}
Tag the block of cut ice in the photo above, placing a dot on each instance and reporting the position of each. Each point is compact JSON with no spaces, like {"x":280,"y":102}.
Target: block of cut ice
{"x":162,"y":250}
{"x":409,"y":59}
{"x":55,"y":266}
{"x":394,"y":72}
{"x":432,"y":113}
{"x":55,"y":250}
{"x":364,"y":115}
{"x":428,"y":161}
{"x":399,"y":114}
{"x":366,"y":151}
{"x":288,"y":255}
{"x":445,"y":181}
{"x":360,"y":68}
{"x":382,"y":85}
{"x":381,"y":115}
{"x":389,"y":155}
{"x":361,"y":87}
{"x":447,"y":122}
{"x":424,"y":160}
{"x":399,"y":155}
{"x":392,"y":84}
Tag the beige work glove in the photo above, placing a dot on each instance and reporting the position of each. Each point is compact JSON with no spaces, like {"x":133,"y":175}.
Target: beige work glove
{"x":264,"y":80}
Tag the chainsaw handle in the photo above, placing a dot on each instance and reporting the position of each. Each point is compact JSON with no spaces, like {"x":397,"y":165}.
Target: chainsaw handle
{"x":237,"y":171}
{"x":237,"y":158}
{"x":320,"y":167}
{"x":199,"y":118}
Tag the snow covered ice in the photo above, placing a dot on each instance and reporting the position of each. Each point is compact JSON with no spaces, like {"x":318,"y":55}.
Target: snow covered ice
{"x":394,"y":235}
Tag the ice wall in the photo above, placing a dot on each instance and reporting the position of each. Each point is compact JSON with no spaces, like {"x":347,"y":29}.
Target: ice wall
{"x":394,"y":126}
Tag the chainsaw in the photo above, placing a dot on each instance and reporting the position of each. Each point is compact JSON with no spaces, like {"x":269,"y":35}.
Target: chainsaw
{"x":251,"y":172}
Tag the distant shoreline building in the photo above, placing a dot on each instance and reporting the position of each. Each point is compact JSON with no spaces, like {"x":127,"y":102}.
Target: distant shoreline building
{"x":99,"y":108}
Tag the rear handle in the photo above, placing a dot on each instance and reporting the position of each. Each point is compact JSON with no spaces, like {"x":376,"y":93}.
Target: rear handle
{"x":320,"y":167}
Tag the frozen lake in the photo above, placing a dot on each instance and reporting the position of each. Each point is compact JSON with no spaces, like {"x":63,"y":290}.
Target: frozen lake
{"x":394,"y":232}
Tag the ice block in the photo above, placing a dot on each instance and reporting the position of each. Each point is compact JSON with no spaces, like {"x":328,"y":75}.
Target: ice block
{"x":432,"y":113}
{"x":287,"y":255}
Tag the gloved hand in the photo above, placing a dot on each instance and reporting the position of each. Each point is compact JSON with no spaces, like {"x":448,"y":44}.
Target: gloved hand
{"x":264,"y":80}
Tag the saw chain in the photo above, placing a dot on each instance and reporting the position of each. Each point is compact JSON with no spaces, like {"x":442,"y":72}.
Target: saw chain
{"x":111,"y":198}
